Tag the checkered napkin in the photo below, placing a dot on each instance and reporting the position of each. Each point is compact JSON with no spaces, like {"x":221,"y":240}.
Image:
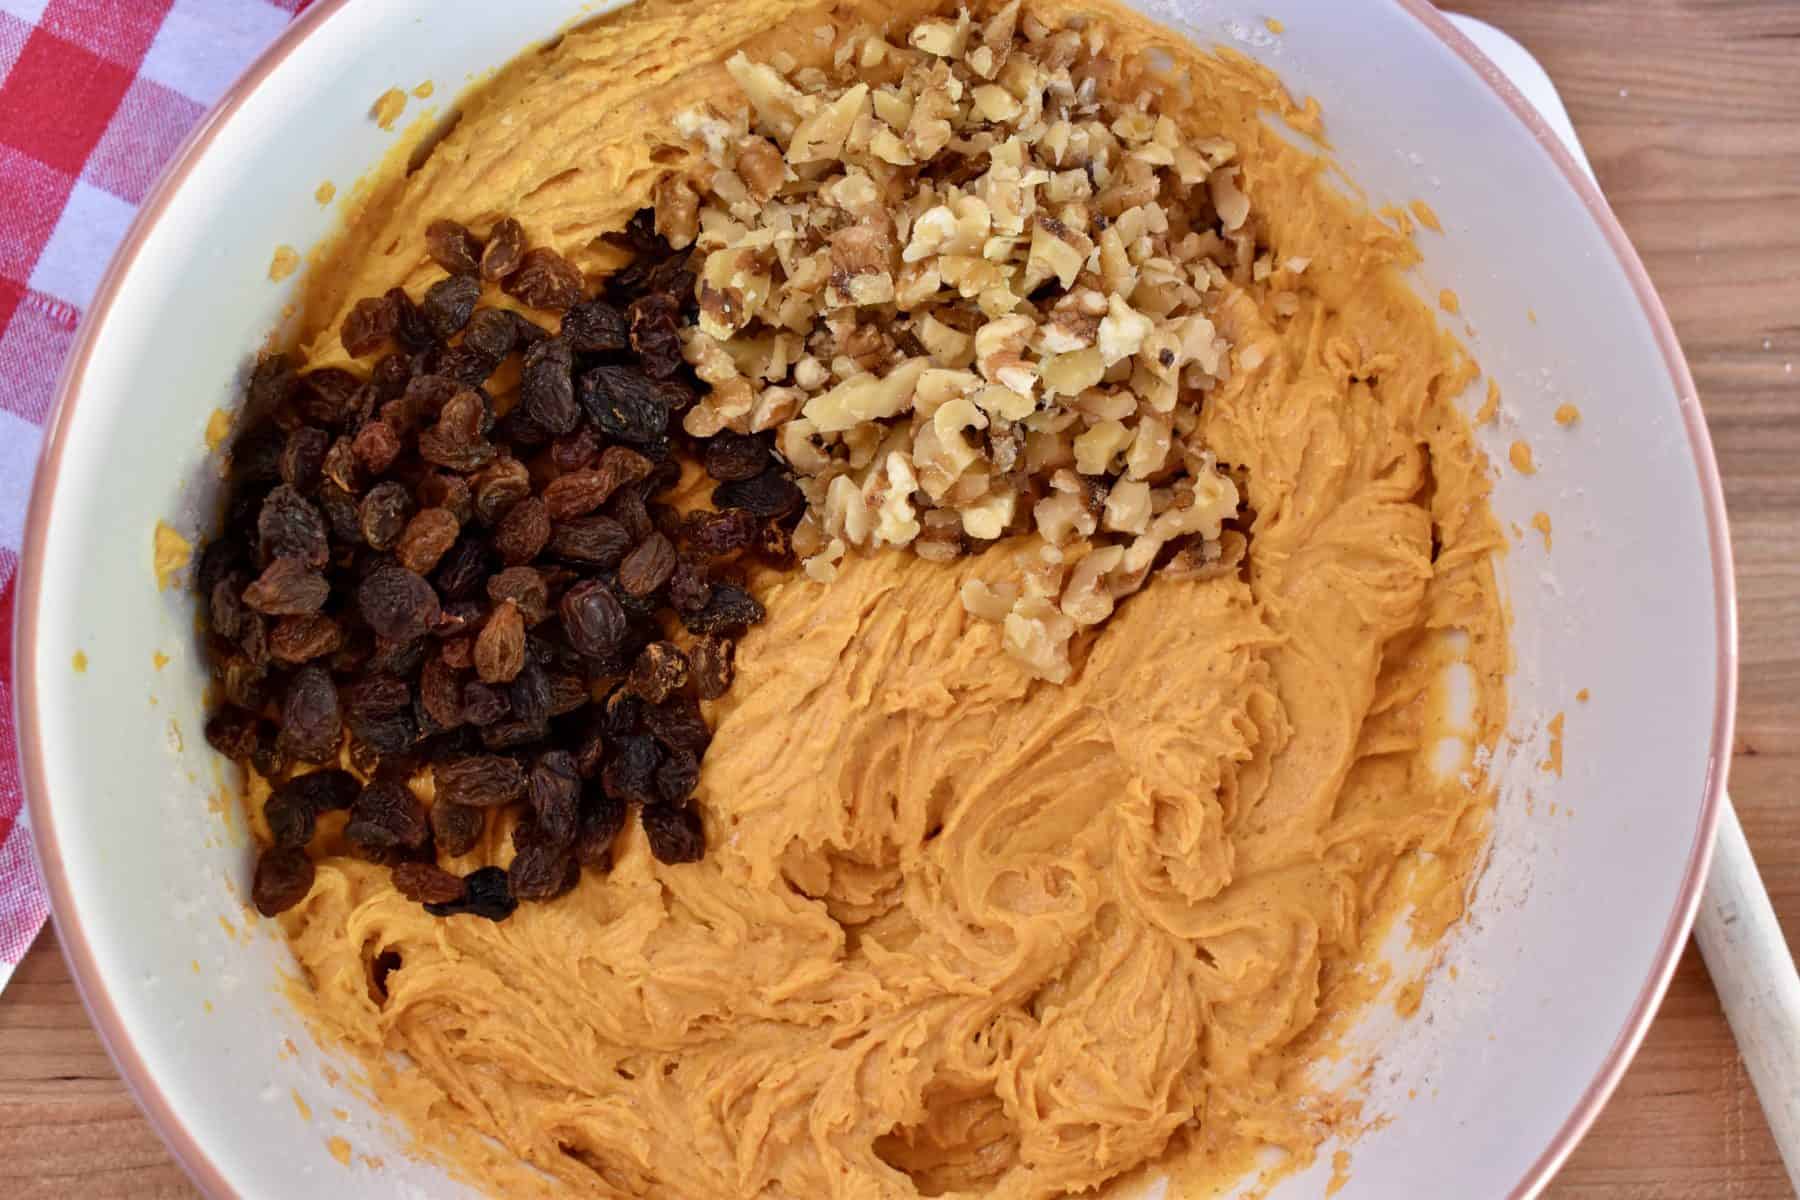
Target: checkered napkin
{"x":95,"y":95}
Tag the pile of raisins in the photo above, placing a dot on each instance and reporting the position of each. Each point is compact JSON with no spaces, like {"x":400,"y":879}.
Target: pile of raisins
{"x":410,"y":580}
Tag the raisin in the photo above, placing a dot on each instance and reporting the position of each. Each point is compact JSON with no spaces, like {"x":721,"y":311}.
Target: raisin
{"x":283,"y":878}
{"x":678,"y":724}
{"x":253,"y":640}
{"x":299,"y":639}
{"x":232,"y":732}
{"x":452,"y":247}
{"x":623,"y":714}
{"x":640,"y":236}
{"x":427,"y":883}
{"x":581,"y":492}
{"x":729,"y":612}
{"x":459,"y":618}
{"x":529,"y":694}
{"x":674,"y":832}
{"x":677,"y":777}
{"x":457,"y":441}
{"x":596,"y":541}
{"x":340,"y":510}
{"x":625,"y":466}
{"x":484,"y":705}
{"x":343,"y":471}
{"x":602,"y":818}
{"x":327,"y":790}
{"x":592,"y":618}
{"x":311,"y":721}
{"x":245,"y":683}
{"x":458,"y":653}
{"x":630,"y":774}
{"x":267,"y":757}
{"x":500,"y":487}
{"x":376,"y":695}
{"x":628,"y":509}
{"x":291,"y":526}
{"x":397,"y":603}
{"x":383,"y":514}
{"x":491,"y":333}
{"x":396,"y":657}
{"x":463,"y":569}
{"x":272,"y":384}
{"x":291,"y":818}
{"x":677,"y":394}
{"x":769,"y":496}
{"x":672,"y":278}
{"x":427,"y":536}
{"x":719,"y":533}
{"x":327,"y":397}
{"x":524,"y":587}
{"x":567,"y":693}
{"x":595,"y":327}
{"x":689,"y":585}
{"x":255,"y":455}
{"x":387,"y":816}
{"x":223,"y":556}
{"x":457,"y":827}
{"x":545,"y":279}
{"x":543,"y":872}
{"x":656,"y":333}
{"x":287,"y":588}
{"x":391,"y":374}
{"x":555,"y":793}
{"x":225,"y":607}
{"x":486,"y":893}
{"x":303,"y":457}
{"x":731,"y":456}
{"x":376,"y":446}
{"x":369,"y":324}
{"x":480,"y":780}
{"x":626,"y":404}
{"x":505,"y":247}
{"x":514,"y":734}
{"x":714,"y":666}
{"x":660,"y":668}
{"x":452,"y":493}
{"x":457,"y":624}
{"x":648,"y":567}
{"x":441,"y":693}
{"x":448,"y":304}
{"x":410,"y":327}
{"x":384,"y":733}
{"x":547,"y":387}
{"x":523,"y":532}
{"x":424,"y":401}
{"x":500,"y":649}
{"x":576,"y":451}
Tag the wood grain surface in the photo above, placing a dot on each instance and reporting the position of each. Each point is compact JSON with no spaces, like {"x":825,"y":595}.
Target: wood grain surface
{"x":1690,"y":111}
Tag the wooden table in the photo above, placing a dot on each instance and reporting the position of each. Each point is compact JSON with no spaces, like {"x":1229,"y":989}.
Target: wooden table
{"x":1691,"y":113}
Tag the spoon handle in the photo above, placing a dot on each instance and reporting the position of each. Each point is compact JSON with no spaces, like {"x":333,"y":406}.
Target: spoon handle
{"x":1753,"y":972}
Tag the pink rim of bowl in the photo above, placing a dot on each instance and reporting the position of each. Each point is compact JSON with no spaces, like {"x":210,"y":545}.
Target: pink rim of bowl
{"x":170,"y":1125}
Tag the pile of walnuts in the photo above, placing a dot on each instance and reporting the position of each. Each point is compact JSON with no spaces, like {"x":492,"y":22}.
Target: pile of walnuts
{"x":965,"y":280}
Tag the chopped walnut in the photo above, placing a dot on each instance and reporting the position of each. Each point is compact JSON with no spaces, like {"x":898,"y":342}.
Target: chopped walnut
{"x":975,"y":291}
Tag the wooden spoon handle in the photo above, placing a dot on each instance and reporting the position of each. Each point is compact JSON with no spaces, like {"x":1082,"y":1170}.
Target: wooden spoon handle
{"x":1753,"y":972}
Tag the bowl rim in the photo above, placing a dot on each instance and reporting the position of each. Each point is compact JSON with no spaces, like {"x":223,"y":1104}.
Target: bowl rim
{"x":187,"y":1148}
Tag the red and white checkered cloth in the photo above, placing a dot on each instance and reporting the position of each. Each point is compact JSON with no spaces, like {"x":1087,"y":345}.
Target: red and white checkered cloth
{"x":95,"y":95}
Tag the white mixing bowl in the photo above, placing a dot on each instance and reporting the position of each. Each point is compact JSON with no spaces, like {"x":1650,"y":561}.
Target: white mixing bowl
{"x":1594,"y":876}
